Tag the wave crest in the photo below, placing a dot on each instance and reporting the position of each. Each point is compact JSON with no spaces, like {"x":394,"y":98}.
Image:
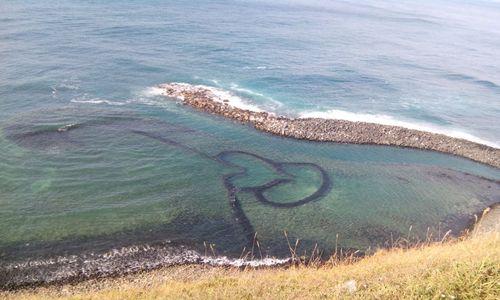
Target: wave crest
{"x":117,"y":261}
{"x":177,"y":89}
{"x":390,"y":120}
{"x":97,"y":101}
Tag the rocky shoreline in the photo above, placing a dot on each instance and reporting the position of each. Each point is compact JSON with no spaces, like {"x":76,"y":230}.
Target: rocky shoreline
{"x":341,"y":131}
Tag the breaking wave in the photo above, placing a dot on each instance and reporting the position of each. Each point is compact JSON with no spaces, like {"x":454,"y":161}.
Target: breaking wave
{"x":237,"y":88}
{"x":215,"y":94}
{"x":389,"y":120}
{"x":97,"y":101}
{"x":220,"y":95}
{"x":118,"y":261}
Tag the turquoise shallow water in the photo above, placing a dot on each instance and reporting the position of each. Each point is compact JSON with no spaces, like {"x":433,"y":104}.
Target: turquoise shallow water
{"x":76,"y":172}
{"x":92,"y":160}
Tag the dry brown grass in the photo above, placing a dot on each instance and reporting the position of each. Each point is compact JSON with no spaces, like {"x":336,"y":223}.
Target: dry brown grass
{"x":464,"y":269}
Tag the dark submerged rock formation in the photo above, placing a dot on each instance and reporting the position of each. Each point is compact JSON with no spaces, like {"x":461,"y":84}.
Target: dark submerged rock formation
{"x":80,"y":258}
{"x":340,"y":131}
{"x":72,"y":260}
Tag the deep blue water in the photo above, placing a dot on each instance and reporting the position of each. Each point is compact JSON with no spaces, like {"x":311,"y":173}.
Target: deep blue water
{"x":91,"y":159}
{"x":431,"y":63}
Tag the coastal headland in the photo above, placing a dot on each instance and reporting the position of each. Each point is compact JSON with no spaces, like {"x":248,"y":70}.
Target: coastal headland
{"x":329,"y":130}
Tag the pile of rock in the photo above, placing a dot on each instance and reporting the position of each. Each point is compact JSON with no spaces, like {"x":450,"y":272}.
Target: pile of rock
{"x":341,"y":131}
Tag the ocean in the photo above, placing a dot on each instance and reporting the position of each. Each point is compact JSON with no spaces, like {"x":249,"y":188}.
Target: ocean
{"x":93,"y":159}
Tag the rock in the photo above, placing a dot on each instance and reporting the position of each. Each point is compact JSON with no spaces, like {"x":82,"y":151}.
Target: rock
{"x":341,"y":131}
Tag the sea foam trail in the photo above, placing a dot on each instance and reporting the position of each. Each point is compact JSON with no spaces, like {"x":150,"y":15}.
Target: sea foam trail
{"x":382,"y":119}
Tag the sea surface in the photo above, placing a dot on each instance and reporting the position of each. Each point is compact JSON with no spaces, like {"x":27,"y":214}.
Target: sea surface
{"x":93,"y":159}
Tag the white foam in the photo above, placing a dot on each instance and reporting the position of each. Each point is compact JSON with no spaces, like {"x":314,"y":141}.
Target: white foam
{"x":215,"y":94}
{"x":97,"y":101}
{"x":122,"y":261}
{"x":237,"y":88}
{"x":389,"y":120}
{"x":232,"y":99}
{"x":220,"y":95}
{"x":257,"y":67}
{"x":152,"y":92}
{"x":263,"y":262}
{"x":69,"y":86}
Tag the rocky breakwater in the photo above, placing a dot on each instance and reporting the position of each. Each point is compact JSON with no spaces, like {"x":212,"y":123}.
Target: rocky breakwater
{"x":220,"y":102}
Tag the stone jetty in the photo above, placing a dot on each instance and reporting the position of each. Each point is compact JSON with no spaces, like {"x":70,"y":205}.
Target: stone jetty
{"x":215,"y":101}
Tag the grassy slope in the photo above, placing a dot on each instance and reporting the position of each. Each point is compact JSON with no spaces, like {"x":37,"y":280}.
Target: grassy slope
{"x":468,"y":269}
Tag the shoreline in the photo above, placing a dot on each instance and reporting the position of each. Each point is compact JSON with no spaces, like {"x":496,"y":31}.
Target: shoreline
{"x":187,"y":279}
{"x":100,"y":267}
{"x":486,"y":223}
{"x":330,"y":130}
{"x":61,"y":266}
